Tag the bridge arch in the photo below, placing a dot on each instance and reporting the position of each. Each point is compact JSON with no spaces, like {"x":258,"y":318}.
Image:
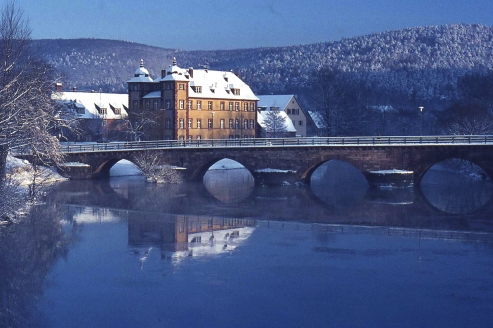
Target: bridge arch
{"x":308,"y":173}
{"x":103,"y":169}
{"x":486,"y":164}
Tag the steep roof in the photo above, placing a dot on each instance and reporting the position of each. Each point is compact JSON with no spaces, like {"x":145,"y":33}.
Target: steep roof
{"x":90,"y":101}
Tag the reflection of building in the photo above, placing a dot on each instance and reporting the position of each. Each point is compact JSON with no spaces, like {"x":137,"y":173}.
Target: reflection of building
{"x":195,"y":235}
{"x":192,"y":104}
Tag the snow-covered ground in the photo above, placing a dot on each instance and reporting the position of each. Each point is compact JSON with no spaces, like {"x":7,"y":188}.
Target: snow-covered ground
{"x":21,"y":172}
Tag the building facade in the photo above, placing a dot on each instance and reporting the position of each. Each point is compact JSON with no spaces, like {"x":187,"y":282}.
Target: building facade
{"x":192,"y":104}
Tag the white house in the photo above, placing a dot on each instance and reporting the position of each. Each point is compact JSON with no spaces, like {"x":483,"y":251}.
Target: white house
{"x":290,"y":106}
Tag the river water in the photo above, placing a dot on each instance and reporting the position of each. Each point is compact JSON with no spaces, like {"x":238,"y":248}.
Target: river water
{"x":226,"y":253}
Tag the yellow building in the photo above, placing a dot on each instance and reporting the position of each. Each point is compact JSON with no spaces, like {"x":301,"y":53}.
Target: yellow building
{"x":192,"y":104}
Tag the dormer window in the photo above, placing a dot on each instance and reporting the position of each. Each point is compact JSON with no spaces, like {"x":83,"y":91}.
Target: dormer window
{"x":236,"y":91}
{"x":102,"y":110}
{"x":197,"y":89}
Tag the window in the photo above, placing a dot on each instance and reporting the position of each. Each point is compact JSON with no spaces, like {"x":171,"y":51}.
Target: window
{"x":245,"y":124}
{"x":222,"y":105}
{"x":199,"y":137}
{"x":181,"y":86}
{"x":230,"y":106}
{"x":166,"y":86}
{"x":168,"y":123}
{"x":190,"y":122}
{"x":252,"y":124}
{"x":231,"y":123}
{"x":135,"y":104}
{"x":236,"y":91}
{"x":182,"y":124}
{"x":237,"y":124}
{"x":289,"y":111}
{"x":245,"y":107}
{"x":209,"y":105}
{"x":182,"y":104}
{"x":167,"y":104}
{"x":237,"y":106}
{"x":182,"y":138}
{"x":136,"y":87}
{"x":155,"y":104}
{"x":148,"y":104}
{"x":190,"y":103}
{"x":209,"y":123}
{"x":199,"y":123}
{"x":118,"y":111}
{"x":199,"y":104}
{"x":197,"y":89}
{"x":102,"y":111}
{"x":222,"y":124}
{"x":252,"y":107}
{"x":300,"y":123}
{"x":190,"y":138}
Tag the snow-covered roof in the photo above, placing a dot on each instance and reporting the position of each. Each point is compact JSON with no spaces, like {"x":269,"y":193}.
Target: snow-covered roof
{"x":317,"y":119}
{"x":86,"y":103}
{"x":154,"y":94}
{"x":262,"y":116}
{"x":281,"y":101}
{"x":212,"y":84}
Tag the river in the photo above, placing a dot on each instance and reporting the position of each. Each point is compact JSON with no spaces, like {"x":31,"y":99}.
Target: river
{"x":225,"y":253}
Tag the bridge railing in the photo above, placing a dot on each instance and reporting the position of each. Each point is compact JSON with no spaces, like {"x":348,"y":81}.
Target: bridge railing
{"x":279,"y":142}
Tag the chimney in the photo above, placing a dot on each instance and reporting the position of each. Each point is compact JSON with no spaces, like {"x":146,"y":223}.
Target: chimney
{"x":190,"y":71}
{"x":74,"y":89}
{"x":163,"y":73}
{"x":58,"y":87}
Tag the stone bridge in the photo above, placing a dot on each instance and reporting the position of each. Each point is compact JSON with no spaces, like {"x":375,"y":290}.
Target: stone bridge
{"x":302,"y":155}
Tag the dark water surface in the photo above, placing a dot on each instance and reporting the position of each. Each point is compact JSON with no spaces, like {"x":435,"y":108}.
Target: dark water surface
{"x":123,"y":253}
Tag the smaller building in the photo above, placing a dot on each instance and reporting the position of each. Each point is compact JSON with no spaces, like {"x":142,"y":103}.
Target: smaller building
{"x":290,"y":106}
{"x":100,"y":116}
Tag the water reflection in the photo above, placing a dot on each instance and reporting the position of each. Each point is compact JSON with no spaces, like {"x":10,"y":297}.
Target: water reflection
{"x":28,"y":250}
{"x":231,"y":186}
{"x":338,"y":184}
{"x":455,"y":192}
{"x":149,"y":255}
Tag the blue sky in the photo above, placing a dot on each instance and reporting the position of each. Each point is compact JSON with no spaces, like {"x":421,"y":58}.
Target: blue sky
{"x":222,"y":24}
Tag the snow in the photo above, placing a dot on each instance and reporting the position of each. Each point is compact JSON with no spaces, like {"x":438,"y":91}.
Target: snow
{"x":393,"y":171}
{"x":262,"y":117}
{"x":89,"y":101}
{"x":21,"y":172}
{"x":76,"y":164}
{"x":268,"y":170}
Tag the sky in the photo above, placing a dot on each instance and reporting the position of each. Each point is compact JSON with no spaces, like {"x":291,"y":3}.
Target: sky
{"x":222,"y":24}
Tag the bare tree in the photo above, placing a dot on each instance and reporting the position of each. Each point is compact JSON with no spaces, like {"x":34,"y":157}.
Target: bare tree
{"x":154,"y":169}
{"x":27,"y":116}
{"x":274,"y":123}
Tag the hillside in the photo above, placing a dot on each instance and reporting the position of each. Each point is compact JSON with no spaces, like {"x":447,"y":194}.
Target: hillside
{"x":422,"y":62}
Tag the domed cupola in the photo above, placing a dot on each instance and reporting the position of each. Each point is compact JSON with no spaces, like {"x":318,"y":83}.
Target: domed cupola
{"x":141,"y":74}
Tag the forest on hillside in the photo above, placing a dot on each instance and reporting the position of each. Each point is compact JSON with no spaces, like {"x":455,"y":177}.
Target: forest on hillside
{"x":403,"y":69}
